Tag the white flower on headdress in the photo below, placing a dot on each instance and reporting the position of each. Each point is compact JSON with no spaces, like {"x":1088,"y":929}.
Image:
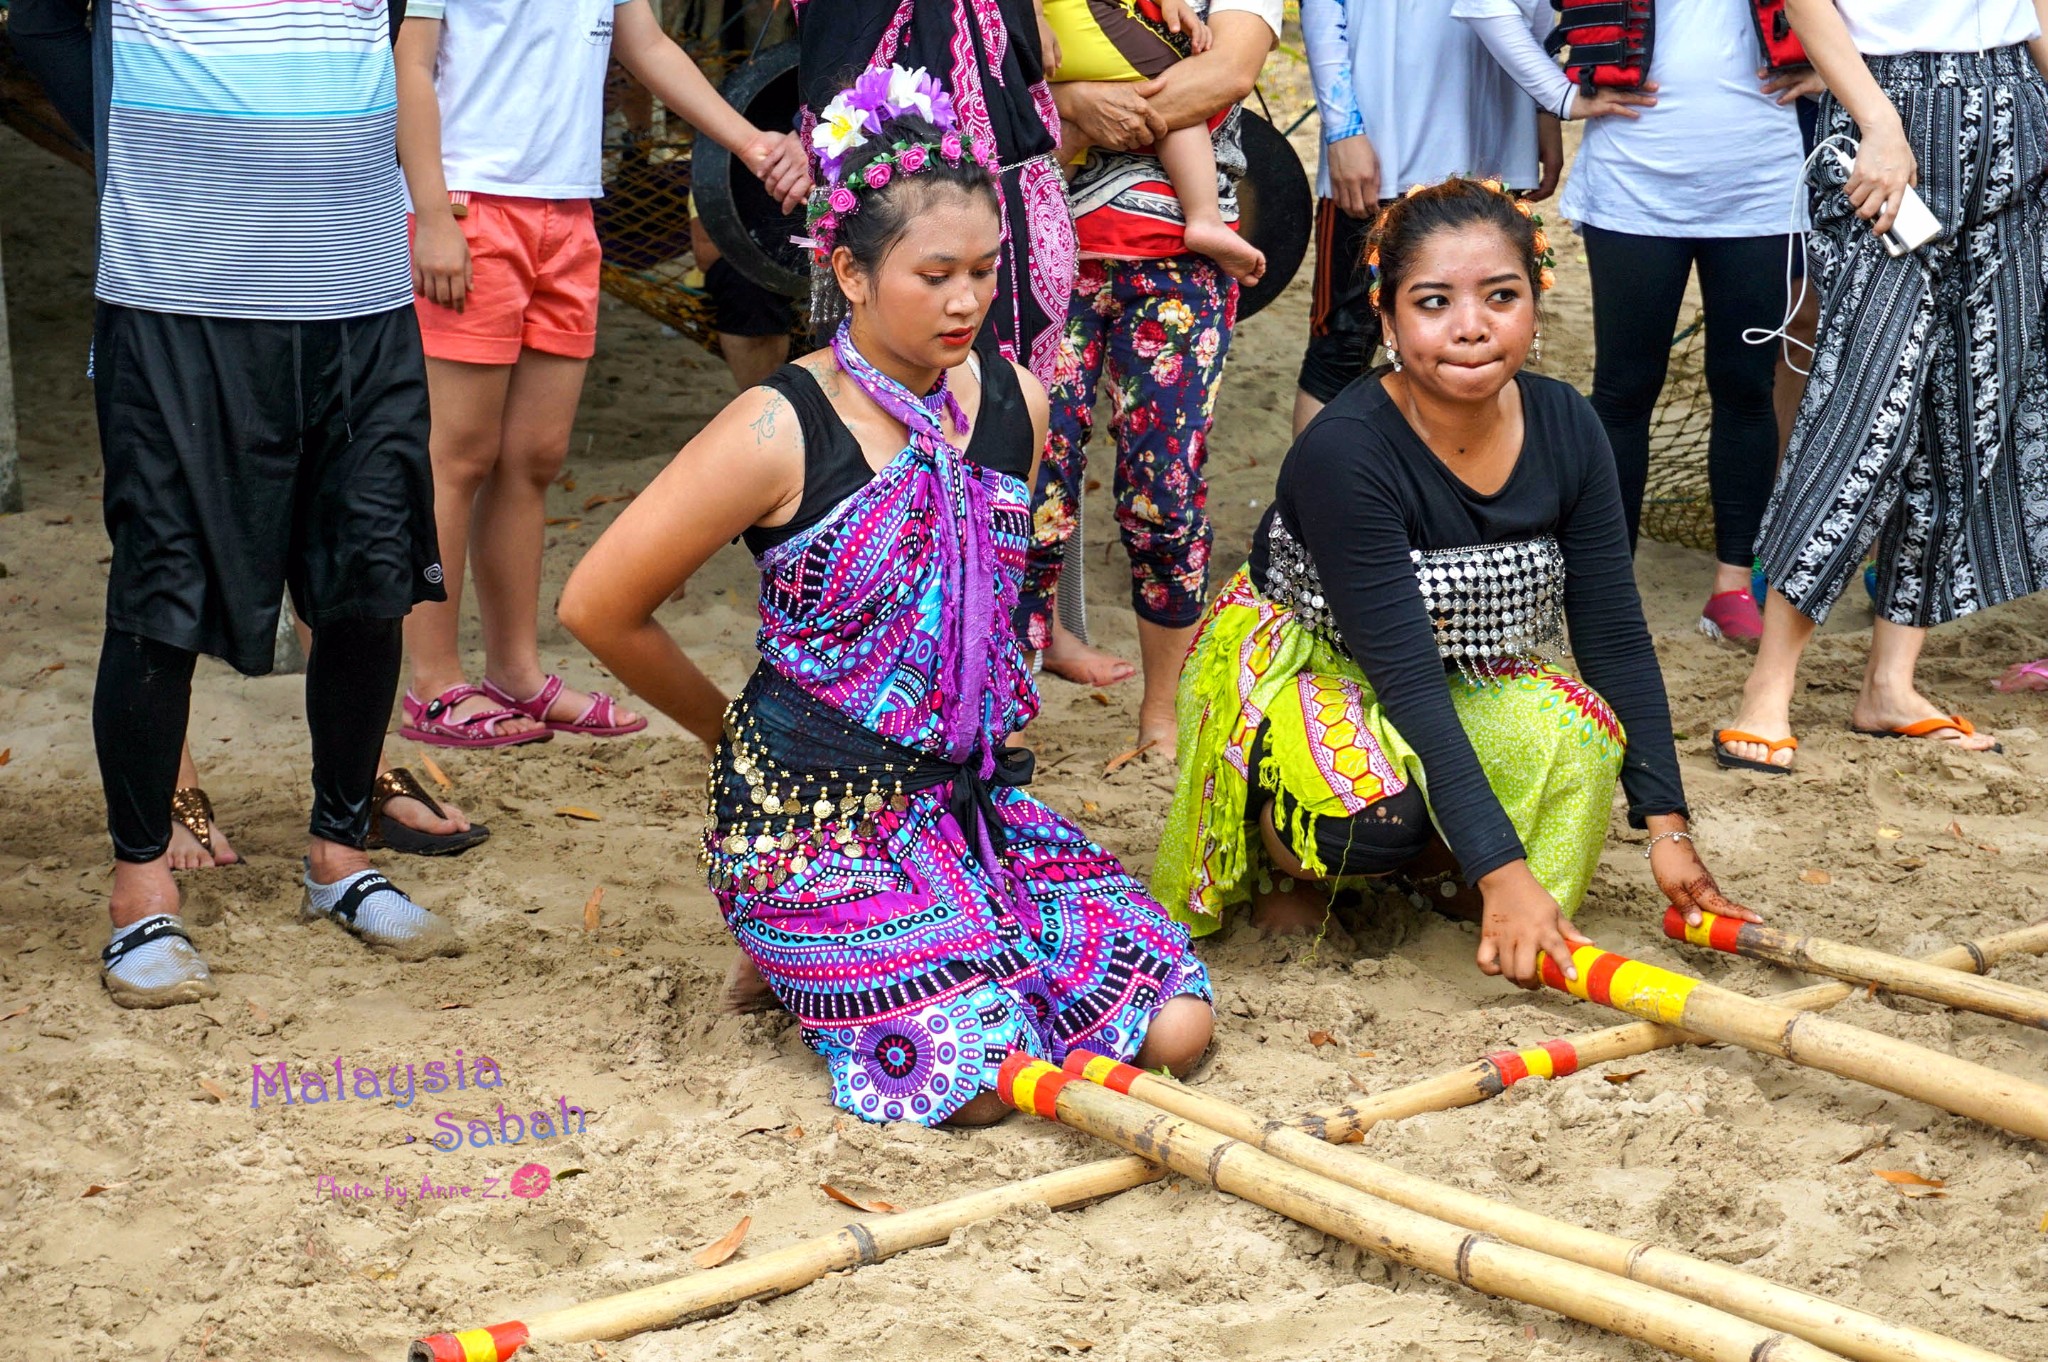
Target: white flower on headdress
{"x":911,"y":91}
{"x":841,"y":128}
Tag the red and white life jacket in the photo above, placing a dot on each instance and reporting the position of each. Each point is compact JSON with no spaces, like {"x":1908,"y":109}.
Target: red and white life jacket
{"x":1781,"y":45}
{"x":1607,"y":44}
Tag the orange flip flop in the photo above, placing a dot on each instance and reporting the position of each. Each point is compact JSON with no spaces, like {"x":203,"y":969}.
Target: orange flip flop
{"x":1922,"y":728}
{"x":1724,"y":736}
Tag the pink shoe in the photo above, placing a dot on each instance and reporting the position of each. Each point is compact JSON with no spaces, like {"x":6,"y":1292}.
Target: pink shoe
{"x":1733,"y":615}
{"x":598,"y":720}
{"x":2024,"y":676}
{"x":427,"y":721}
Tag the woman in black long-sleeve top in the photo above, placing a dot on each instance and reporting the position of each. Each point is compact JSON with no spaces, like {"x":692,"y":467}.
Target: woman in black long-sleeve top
{"x":1385,"y":659}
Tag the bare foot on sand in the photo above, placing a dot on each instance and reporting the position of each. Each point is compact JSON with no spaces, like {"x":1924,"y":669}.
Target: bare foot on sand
{"x":1237,"y":257}
{"x":746,"y":991}
{"x":1068,"y":658}
{"x":188,"y":854}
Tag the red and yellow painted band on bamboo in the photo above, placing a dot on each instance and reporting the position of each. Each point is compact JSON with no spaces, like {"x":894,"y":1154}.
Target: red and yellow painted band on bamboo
{"x":1551,"y":1059}
{"x":1617,"y":981}
{"x":1030,"y":1084}
{"x":492,"y":1343}
{"x":1100,"y":1069}
{"x":1721,"y":933}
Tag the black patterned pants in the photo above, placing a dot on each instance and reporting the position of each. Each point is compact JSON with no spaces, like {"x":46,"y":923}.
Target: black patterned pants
{"x":1923,"y":437}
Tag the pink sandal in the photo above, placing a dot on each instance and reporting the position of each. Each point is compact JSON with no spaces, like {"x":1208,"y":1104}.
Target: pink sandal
{"x":2024,"y":676}
{"x":599,"y":720}
{"x":426,"y":722}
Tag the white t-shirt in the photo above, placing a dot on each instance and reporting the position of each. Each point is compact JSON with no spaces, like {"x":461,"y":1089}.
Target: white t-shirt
{"x":1424,"y":89}
{"x":1888,"y":27}
{"x":1272,"y":11}
{"x":1716,"y":157}
{"x":521,"y":87}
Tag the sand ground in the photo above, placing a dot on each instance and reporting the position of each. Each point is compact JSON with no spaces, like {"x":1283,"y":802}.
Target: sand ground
{"x":151,"y":1212}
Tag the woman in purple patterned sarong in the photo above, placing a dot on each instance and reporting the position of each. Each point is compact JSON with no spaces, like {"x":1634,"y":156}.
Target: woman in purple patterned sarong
{"x":871,"y":846}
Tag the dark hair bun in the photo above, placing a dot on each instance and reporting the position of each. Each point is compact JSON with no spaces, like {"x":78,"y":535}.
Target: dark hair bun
{"x":1406,"y":223}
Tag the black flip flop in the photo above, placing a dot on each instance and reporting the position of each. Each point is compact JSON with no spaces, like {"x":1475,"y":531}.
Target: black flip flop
{"x":389,"y":833}
{"x":1724,"y":736}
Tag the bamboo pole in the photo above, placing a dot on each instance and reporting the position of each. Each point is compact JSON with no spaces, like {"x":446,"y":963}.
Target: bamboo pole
{"x":1495,"y":1073}
{"x":784,"y":1270}
{"x":791,"y":1268}
{"x":1839,"y":1328}
{"x":1863,"y":966}
{"x":1386,"y":1230}
{"x":1770,"y":1028}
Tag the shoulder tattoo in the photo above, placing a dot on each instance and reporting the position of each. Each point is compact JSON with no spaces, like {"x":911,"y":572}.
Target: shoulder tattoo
{"x":763,"y":425}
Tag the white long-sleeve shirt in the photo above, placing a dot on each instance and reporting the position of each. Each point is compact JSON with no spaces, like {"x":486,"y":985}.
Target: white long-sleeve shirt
{"x":1420,"y":84}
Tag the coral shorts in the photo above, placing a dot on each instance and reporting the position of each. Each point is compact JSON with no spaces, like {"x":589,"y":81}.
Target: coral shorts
{"x":533,"y":283}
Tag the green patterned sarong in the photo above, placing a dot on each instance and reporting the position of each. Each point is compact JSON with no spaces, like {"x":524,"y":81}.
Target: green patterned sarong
{"x":1550,"y":747}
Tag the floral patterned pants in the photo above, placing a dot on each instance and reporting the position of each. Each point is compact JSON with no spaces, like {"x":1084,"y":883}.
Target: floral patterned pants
{"x":1161,"y":329}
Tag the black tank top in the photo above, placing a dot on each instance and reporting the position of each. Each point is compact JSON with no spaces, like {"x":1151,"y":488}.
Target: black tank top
{"x":835,"y":468}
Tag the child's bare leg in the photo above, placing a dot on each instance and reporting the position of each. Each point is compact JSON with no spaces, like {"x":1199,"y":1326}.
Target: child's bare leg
{"x":1190,"y":161}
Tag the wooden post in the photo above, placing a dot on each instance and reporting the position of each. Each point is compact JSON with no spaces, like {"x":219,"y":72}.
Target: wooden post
{"x":773,"y":1274}
{"x":1496,"y":1073}
{"x":1422,"y":1242}
{"x":1860,"y":965}
{"x":1852,"y":1333}
{"x":10,"y":441}
{"x":1770,"y":1028}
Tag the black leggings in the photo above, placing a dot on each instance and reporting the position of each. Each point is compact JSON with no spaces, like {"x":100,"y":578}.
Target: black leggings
{"x":1377,"y":840}
{"x":1638,"y":287}
{"x":144,"y":695}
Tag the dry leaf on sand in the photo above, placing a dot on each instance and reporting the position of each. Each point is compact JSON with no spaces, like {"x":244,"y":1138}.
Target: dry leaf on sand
{"x":1911,"y":1184}
{"x":214,"y":1090}
{"x":1117,"y":763}
{"x":435,"y":773}
{"x":99,"y":1187}
{"x":712,"y":1254}
{"x":1625,"y":1077}
{"x":15,"y":1013}
{"x":1321,"y":1038}
{"x":875,"y":1204}
{"x":593,"y":909}
{"x":1816,"y":877}
{"x":575,"y":811}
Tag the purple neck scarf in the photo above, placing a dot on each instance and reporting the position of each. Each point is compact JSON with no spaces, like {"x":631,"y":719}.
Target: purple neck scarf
{"x":966,"y":547}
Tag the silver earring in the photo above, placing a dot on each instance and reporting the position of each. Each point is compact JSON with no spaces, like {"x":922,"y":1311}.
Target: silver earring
{"x":1394,"y":358}
{"x":1536,"y":349}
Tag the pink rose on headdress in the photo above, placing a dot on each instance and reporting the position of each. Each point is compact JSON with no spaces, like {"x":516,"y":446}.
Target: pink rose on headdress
{"x":842,"y":200}
{"x":912,"y":160}
{"x":877,"y":175}
{"x":949,"y":146}
{"x":824,"y":229}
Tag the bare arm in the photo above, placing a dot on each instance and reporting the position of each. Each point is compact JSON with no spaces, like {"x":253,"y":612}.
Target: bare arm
{"x":745,"y":468}
{"x":1884,"y":162}
{"x":1126,"y":115}
{"x":1200,"y":87}
{"x":440,"y":255}
{"x":2039,"y":46}
{"x":665,"y":69}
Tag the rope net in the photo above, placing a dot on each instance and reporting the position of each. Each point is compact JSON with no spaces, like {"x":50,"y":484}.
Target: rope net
{"x":1676,"y":505}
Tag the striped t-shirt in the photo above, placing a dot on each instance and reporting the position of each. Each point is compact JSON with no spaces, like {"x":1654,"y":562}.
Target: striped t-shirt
{"x":250,"y":162}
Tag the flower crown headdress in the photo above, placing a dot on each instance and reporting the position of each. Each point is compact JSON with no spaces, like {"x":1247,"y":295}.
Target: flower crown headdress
{"x":1546,"y":259}
{"x":859,"y":113}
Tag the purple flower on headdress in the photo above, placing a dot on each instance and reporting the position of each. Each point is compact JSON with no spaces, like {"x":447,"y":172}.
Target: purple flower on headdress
{"x":842,"y":200}
{"x":949,"y":147}
{"x":870,"y":96}
{"x":912,"y":160}
{"x":877,"y":175}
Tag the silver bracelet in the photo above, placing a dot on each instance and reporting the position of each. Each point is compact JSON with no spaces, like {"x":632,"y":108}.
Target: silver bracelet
{"x":1674,"y":836}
